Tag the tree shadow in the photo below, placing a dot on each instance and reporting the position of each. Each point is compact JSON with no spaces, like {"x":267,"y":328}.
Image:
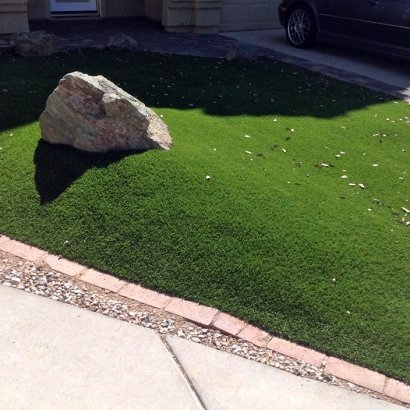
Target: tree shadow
{"x":58,"y":166}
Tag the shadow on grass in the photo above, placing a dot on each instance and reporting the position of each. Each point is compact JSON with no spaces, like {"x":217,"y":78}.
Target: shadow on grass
{"x":219,"y":88}
{"x":58,"y":166}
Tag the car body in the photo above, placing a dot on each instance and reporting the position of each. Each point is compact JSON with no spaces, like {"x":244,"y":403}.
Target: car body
{"x":381,"y":26}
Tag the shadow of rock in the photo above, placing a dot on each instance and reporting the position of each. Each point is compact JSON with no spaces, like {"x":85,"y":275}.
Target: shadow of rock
{"x":58,"y":166}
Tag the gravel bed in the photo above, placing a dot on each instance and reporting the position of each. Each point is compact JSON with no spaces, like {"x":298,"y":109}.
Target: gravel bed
{"x":40,"y":279}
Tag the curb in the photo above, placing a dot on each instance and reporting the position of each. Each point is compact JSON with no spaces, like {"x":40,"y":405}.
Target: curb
{"x":210,"y":317}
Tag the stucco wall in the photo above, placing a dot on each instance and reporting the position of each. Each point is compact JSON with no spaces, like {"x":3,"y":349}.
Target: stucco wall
{"x":249,"y":15}
{"x":38,"y":9}
{"x":13,"y":16}
{"x":201,"y":16}
{"x":153,"y":9}
{"x":124,"y":8}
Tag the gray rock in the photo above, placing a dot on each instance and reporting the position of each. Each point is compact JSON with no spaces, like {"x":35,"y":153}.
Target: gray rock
{"x":241,"y":51}
{"x":36,"y":44}
{"x":93,"y":114}
{"x":42,"y":282}
{"x":122,"y":42}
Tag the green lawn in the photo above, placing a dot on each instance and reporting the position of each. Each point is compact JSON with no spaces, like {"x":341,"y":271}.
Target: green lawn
{"x":276,"y":237}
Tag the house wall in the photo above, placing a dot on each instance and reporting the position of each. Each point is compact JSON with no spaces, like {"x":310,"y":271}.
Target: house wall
{"x":200,"y":16}
{"x":13,"y":16}
{"x":153,"y":9}
{"x":40,"y":9}
{"x":124,"y":8}
{"x":249,"y":15}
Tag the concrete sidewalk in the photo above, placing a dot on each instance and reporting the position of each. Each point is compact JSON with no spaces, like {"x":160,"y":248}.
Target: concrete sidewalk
{"x":56,"y":356}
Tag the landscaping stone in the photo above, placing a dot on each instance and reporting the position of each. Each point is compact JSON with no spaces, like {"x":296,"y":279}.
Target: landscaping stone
{"x":36,"y":44}
{"x":93,"y":114}
{"x":241,"y":51}
{"x":122,"y":42}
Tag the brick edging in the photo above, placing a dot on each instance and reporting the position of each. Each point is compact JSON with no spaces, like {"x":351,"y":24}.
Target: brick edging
{"x":210,"y":317}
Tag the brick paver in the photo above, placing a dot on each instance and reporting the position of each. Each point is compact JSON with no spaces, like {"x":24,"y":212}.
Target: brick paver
{"x":228,"y":324}
{"x":202,"y":315}
{"x":296,"y":351}
{"x":143,"y":295}
{"x":102,"y":280}
{"x":397,"y":390}
{"x":356,"y":374}
{"x":22,"y":250}
{"x":64,"y":265}
{"x":254,"y":335}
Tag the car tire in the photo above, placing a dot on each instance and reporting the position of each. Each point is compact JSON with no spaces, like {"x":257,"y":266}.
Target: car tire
{"x":301,"y":27}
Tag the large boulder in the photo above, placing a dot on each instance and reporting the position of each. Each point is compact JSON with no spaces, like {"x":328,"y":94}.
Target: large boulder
{"x":241,"y":51}
{"x":36,"y":44}
{"x":122,"y":42}
{"x":93,"y":114}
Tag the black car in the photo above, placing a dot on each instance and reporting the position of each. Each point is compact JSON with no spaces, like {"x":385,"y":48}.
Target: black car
{"x":373,"y":25}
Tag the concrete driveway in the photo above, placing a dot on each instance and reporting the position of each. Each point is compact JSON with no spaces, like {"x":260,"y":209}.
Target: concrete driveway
{"x":380,"y":68}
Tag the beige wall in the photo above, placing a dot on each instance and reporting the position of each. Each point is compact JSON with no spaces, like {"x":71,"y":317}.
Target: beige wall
{"x":13,"y":16}
{"x":198,"y":16}
{"x":124,"y":8}
{"x":153,"y":9}
{"x":40,"y":9}
{"x":201,"y":16}
{"x":249,"y":15}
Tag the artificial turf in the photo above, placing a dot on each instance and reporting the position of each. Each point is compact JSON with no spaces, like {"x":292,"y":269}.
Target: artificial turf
{"x":276,"y":236}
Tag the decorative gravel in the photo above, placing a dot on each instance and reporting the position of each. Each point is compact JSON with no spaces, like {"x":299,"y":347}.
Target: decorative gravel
{"x":40,"y":279}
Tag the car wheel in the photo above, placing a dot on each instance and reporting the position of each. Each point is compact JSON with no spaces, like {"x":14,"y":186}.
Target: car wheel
{"x":301,"y":27}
